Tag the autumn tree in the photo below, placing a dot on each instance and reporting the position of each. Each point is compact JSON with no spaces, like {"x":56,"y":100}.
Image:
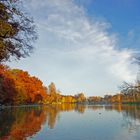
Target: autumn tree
{"x":95,"y":99}
{"x":7,"y":87}
{"x":18,"y":87}
{"x":80,"y":98}
{"x":17,"y":31}
{"x":52,"y":89}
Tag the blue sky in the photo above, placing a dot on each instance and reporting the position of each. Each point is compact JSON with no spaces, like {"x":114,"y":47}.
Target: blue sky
{"x":122,"y":14}
{"x":84,"y":45}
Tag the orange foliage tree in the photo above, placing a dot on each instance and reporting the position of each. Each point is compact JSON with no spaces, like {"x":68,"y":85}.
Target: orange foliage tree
{"x":18,"y":87}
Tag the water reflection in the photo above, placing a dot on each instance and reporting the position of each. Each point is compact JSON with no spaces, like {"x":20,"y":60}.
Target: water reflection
{"x":20,"y":123}
{"x":132,"y":111}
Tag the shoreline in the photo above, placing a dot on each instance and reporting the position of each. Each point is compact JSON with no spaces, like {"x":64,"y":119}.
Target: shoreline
{"x":37,"y":105}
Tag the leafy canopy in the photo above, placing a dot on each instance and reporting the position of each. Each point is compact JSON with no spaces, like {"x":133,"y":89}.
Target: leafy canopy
{"x":17,"y":31}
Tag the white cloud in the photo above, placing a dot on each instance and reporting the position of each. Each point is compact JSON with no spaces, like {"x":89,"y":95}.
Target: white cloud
{"x":79,"y":53}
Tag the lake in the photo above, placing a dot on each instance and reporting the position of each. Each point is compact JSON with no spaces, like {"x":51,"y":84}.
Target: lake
{"x":70,"y":122}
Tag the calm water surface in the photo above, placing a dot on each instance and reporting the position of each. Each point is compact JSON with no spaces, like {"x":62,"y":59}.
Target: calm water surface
{"x":71,"y":122}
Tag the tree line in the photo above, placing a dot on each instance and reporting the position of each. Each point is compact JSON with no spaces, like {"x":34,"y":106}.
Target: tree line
{"x":129,"y":93}
{"x":18,"y":87}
